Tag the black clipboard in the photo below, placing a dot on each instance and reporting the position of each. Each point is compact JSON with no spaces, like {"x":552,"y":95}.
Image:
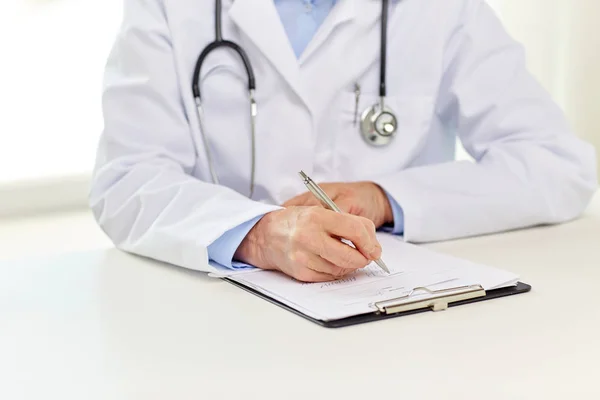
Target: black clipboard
{"x":520,"y":288}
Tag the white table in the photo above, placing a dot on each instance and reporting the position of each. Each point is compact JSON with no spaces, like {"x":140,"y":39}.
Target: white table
{"x":106,"y":325}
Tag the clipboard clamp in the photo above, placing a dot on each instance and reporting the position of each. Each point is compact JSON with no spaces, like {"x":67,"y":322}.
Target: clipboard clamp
{"x":439,"y":300}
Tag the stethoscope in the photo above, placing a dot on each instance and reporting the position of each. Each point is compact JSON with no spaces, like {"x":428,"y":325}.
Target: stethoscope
{"x":378,"y":124}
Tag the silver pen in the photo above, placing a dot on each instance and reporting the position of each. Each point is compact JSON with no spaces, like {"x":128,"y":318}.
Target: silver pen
{"x":327,"y":202}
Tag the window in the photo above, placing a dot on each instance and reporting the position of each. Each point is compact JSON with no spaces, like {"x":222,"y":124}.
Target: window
{"x":51,"y":79}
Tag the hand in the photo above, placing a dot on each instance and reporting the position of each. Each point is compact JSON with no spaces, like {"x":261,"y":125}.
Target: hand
{"x":364,"y":199}
{"x":303,"y":242}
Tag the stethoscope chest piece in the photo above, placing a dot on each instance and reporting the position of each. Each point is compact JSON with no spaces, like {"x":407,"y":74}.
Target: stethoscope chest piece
{"x":378,"y":125}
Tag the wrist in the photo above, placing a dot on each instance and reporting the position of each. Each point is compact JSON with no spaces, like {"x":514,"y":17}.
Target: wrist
{"x":250,"y":250}
{"x":386,"y":207}
{"x":388,"y":214}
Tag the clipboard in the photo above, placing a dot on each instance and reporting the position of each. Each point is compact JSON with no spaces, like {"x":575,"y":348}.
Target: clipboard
{"x":398,"y":307}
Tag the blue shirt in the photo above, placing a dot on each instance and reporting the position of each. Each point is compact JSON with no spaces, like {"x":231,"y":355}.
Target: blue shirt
{"x":301,"y":19}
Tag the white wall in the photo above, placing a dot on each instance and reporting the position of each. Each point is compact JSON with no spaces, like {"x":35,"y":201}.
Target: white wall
{"x":562,"y":40}
{"x":582,"y":84}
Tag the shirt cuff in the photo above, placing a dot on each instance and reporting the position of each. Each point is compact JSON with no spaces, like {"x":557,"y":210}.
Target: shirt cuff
{"x":223,"y":249}
{"x":398,"y":214}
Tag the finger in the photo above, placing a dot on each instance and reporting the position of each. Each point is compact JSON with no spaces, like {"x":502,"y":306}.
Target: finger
{"x":319,"y":264}
{"x":360,"y":231}
{"x":299,"y":200}
{"x":308,"y":275}
{"x":342,"y":255}
{"x":298,"y":267}
{"x":309,"y":199}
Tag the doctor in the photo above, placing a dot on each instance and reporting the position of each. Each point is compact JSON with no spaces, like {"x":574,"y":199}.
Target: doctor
{"x":200,"y":160}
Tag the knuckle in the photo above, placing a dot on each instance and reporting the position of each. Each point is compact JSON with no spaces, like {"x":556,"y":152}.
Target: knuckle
{"x":367,"y":237}
{"x":304,"y":275}
{"x":299,"y":258}
{"x":357,"y":229}
{"x":320,"y":246}
{"x":302,"y":236}
{"x":310,"y":215}
{"x":349,"y":223}
{"x":339,"y":272}
{"x":370,"y":225}
{"x":346,"y":258}
{"x":363,"y":224}
{"x":352,"y":259}
{"x":292,"y":256}
{"x":358,"y":223}
{"x":311,"y":264}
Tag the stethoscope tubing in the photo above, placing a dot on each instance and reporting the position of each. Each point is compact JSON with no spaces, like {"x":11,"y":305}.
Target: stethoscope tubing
{"x":219,"y":42}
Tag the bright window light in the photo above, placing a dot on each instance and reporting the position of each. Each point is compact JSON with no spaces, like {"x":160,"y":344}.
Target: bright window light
{"x":54,"y":53}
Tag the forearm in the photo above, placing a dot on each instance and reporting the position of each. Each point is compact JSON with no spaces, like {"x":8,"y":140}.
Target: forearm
{"x":529,"y":168}
{"x":513,"y":186}
{"x":156,"y":210}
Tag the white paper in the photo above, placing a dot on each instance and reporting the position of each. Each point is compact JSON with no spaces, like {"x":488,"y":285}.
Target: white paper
{"x":410,"y":267}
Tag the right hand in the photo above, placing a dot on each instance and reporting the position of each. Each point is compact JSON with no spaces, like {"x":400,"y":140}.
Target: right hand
{"x":304,"y":243}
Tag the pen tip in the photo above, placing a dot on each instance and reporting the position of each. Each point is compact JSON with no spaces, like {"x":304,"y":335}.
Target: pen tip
{"x":382,"y":265}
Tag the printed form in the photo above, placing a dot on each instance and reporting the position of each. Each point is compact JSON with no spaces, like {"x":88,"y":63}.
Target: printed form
{"x":410,"y":267}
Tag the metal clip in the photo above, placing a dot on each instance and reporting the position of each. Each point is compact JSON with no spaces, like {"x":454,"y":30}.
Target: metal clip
{"x":439,"y":301}
{"x":356,"y":101}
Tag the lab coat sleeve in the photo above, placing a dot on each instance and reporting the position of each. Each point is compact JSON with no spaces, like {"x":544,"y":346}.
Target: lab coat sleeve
{"x":397,"y":227}
{"x":143,"y":194}
{"x":529,"y":168}
{"x":223,"y":249}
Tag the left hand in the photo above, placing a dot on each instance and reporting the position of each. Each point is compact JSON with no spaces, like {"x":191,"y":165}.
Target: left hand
{"x":364,"y":199}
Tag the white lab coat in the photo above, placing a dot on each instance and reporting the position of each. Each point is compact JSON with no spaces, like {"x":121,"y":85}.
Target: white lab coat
{"x":451,"y":69}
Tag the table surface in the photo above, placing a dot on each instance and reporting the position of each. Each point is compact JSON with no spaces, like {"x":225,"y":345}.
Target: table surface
{"x":109,"y":325}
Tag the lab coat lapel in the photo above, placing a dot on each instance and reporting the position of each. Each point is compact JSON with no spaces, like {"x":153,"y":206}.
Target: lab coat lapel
{"x":347,"y":51}
{"x":260,"y":22}
{"x":344,"y":11}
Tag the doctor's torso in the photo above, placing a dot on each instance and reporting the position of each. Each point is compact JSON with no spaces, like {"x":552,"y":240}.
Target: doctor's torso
{"x":307,"y":114}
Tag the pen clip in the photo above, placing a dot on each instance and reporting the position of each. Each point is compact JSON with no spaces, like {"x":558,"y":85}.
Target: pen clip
{"x":356,"y":101}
